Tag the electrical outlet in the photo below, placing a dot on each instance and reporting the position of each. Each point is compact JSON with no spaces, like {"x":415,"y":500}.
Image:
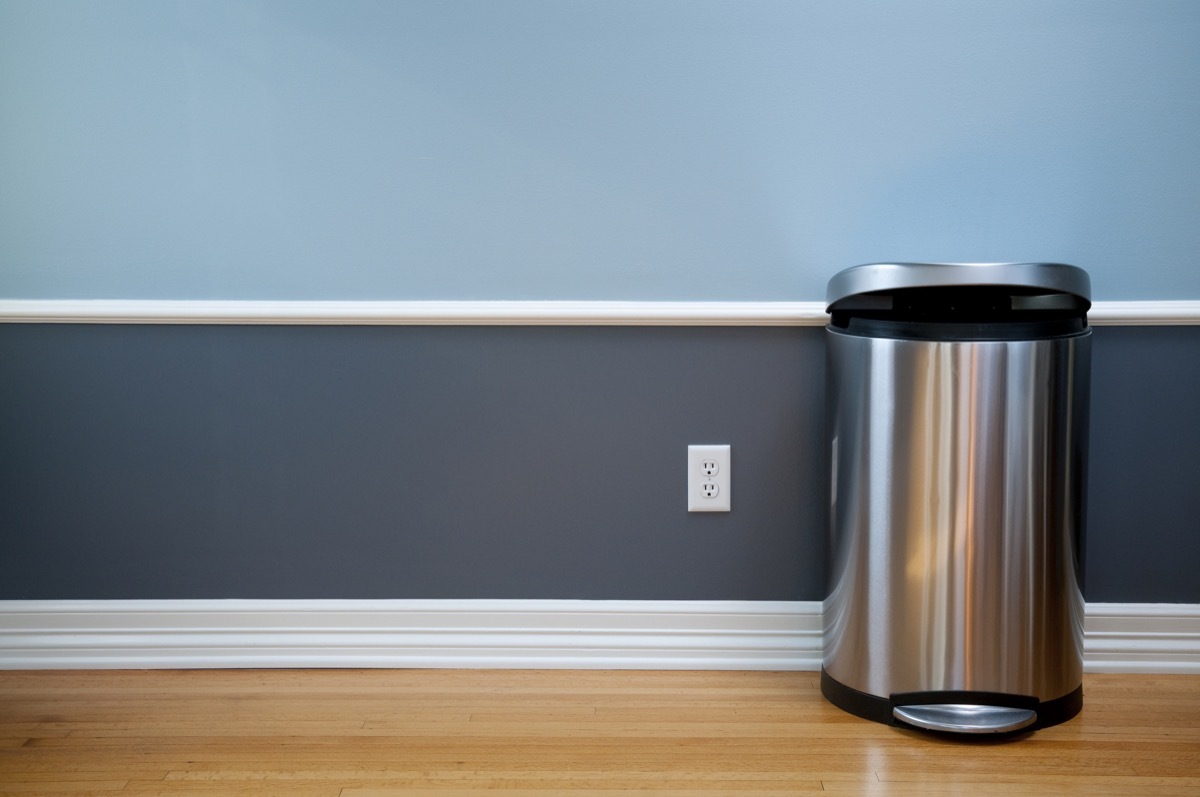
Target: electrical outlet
{"x":708,"y":478}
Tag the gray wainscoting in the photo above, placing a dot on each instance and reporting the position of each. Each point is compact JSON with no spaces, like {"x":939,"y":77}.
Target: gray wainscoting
{"x":494,"y":462}
{"x":405,"y":462}
{"x":1144,"y":491}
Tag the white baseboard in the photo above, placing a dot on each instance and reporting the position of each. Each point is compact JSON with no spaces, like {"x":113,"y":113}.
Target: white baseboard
{"x":1142,"y":637}
{"x":723,"y":635}
{"x":499,"y":313}
{"x":410,"y":633}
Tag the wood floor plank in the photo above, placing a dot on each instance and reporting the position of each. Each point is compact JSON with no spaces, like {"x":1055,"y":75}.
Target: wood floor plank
{"x":518,"y":792}
{"x":62,"y":786}
{"x":370,"y":733}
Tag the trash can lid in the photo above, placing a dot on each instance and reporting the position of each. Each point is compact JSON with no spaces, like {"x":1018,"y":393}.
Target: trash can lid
{"x":876,"y":277}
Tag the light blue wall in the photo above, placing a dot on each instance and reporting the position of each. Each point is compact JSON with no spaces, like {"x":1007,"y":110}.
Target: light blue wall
{"x":607,"y":149}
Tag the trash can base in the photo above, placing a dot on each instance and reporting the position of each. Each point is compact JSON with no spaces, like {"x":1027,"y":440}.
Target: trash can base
{"x":880,"y":709}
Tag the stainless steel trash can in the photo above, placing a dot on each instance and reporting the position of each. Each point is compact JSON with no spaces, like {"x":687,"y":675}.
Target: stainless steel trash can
{"x":957,"y":431}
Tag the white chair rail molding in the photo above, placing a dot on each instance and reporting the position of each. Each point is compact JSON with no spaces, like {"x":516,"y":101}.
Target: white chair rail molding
{"x":532,"y":313}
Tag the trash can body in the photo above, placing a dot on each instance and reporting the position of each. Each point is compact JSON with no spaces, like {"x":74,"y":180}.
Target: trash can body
{"x":957,"y":434}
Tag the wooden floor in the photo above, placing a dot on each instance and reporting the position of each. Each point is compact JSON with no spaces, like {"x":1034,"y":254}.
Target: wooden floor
{"x":371,"y":733}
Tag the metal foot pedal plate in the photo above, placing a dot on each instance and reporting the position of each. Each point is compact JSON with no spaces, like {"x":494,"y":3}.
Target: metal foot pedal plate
{"x":965,"y":717}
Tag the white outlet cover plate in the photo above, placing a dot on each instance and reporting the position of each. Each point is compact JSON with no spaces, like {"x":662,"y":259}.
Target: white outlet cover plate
{"x":697,"y":500}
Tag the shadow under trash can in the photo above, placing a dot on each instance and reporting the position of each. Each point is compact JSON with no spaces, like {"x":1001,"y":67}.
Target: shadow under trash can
{"x":957,"y":430}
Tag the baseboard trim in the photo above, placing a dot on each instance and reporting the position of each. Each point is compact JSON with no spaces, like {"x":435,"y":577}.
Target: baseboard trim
{"x":1142,"y":637}
{"x":721,"y":635}
{"x":498,"y":313}
{"x":410,"y":633}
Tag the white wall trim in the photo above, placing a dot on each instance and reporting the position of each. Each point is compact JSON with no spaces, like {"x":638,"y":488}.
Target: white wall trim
{"x":410,"y":633}
{"x":429,"y":313}
{"x":722,"y":635}
{"x":498,"y":313}
{"x":1165,"y":313}
{"x":1142,"y":637}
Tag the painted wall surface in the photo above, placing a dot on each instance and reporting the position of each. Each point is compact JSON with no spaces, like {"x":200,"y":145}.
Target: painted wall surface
{"x":385,"y":462}
{"x":475,"y":462}
{"x":534,"y":149}
{"x":1144,"y":494}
